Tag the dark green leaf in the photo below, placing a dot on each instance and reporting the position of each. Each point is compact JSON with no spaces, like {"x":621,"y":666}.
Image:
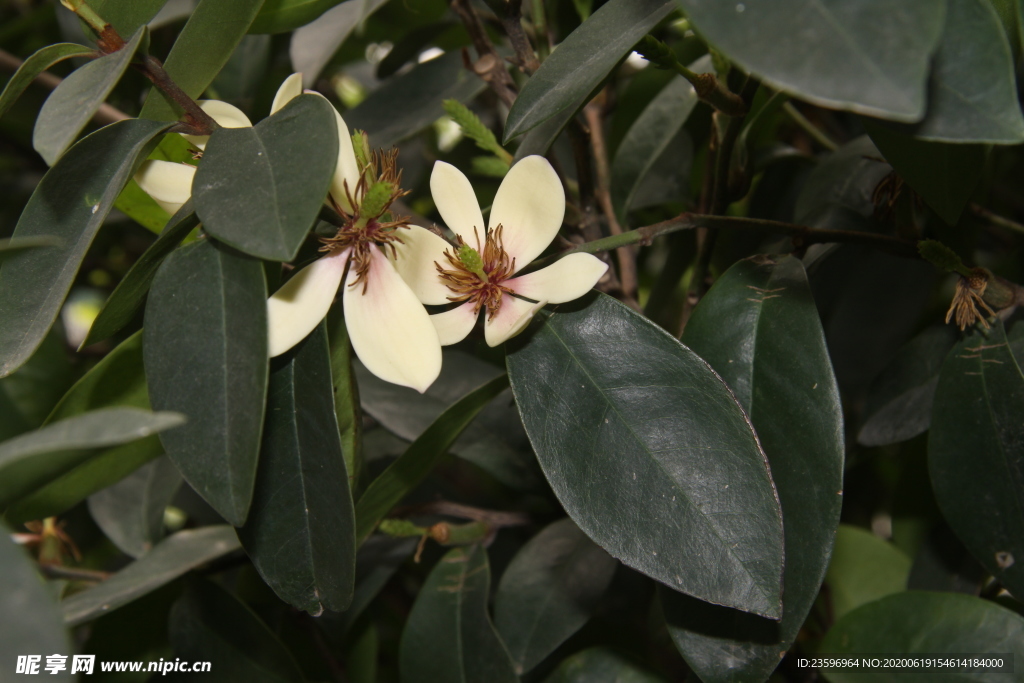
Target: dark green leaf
{"x":864,"y":567}
{"x":944,"y":174}
{"x":543,"y":135}
{"x":118,"y":379}
{"x":30,"y":622}
{"x":406,"y":473}
{"x":650,"y":454}
{"x":69,"y":204}
{"x":899,"y":405}
{"x":30,"y":393}
{"x":600,"y":665}
{"x":449,"y":638}
{"x":205,"y":348}
{"x":758,"y":327}
{"x":260,"y":189}
{"x":362,"y":653}
{"x":39,"y":62}
{"x":346,"y":395}
{"x":280,"y":16}
{"x":1011,"y":15}
{"x":202,"y":49}
{"x":31,"y":460}
{"x":209,"y":624}
{"x":976,"y":452}
{"x":549,"y":591}
{"x":932,"y":624}
{"x":407,"y":104}
{"x":129,"y":294}
{"x":944,"y":564}
{"x":244,"y":74}
{"x":838,"y":192}
{"x":377,"y":561}
{"x":168,"y":560}
{"x":301,"y":531}
{"x":582,"y":61}
{"x":127,"y":17}
{"x":70,"y":106}
{"x":131,"y":512}
{"x":10,"y":247}
{"x":313,"y":45}
{"x":841,"y":58}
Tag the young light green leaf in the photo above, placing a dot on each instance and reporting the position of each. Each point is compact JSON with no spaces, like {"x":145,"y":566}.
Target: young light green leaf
{"x":406,"y":473}
{"x":70,"y":106}
{"x":864,"y":567}
{"x":582,"y":61}
{"x":69,"y":204}
{"x":131,"y":291}
{"x":205,"y":353}
{"x":650,"y":454}
{"x":300,"y":532}
{"x":39,"y":62}
{"x":168,"y":560}
{"x":473,"y":128}
{"x":842,"y":60}
{"x":260,"y":189}
{"x":449,"y":637}
{"x":758,"y":327}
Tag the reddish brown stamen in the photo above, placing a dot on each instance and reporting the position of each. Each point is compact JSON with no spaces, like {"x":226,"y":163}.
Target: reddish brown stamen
{"x":470,"y":286}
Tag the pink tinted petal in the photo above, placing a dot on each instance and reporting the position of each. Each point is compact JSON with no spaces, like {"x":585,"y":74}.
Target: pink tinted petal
{"x":455,"y":325}
{"x":302,"y":302}
{"x":417,"y":253}
{"x":512,"y":318}
{"x":168,"y":183}
{"x":389,"y":328}
{"x":530,"y":206}
{"x":566,"y":279}
{"x":456,"y":202}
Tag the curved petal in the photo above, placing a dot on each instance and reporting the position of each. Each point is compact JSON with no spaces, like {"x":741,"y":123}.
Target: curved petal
{"x":417,"y":253}
{"x":456,"y":202}
{"x":168,"y":183}
{"x":512,"y":318}
{"x":566,"y":279}
{"x":347,"y":168}
{"x":389,"y":328}
{"x":455,"y":325}
{"x":530,"y":205}
{"x":302,"y":302}
{"x":289,"y":89}
{"x":226,"y":115}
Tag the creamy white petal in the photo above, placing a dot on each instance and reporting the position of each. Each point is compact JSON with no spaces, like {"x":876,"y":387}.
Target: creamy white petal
{"x":512,"y":318}
{"x":289,"y":89}
{"x":347,"y":169}
{"x":455,"y":325}
{"x":456,"y":202}
{"x":419,"y":250}
{"x":168,"y":183}
{"x":226,"y":115}
{"x":530,"y":206}
{"x":299,"y":306}
{"x":390,"y":329}
{"x":566,"y":279}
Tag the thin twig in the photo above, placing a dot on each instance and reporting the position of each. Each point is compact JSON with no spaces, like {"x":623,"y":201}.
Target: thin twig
{"x":495,"y":518}
{"x":819,"y":135}
{"x":199,"y":122}
{"x":996,"y":219}
{"x":54,"y":571}
{"x":525,"y":58}
{"x":489,"y":65}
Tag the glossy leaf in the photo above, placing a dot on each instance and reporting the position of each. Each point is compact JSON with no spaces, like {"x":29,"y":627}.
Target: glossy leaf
{"x":209,"y":624}
{"x":168,"y":560}
{"x":281,"y":16}
{"x":118,"y":379}
{"x":131,"y":291}
{"x":31,"y":460}
{"x":582,"y":61}
{"x":932,"y":624}
{"x":407,"y":104}
{"x":260,"y":189}
{"x":300,"y":532}
{"x":600,"y":665}
{"x":650,"y":454}
{"x":72,"y":103}
{"x":40,"y":61}
{"x":205,"y":350}
{"x":69,"y":204}
{"x":549,"y":591}
{"x":131,"y":512}
{"x":449,"y":636}
{"x":346,"y":395}
{"x":11,"y":247}
{"x":758,"y":327}
{"x":376,"y":562}
{"x":842,"y":60}
{"x":202,"y":49}
{"x":29,"y":394}
{"x":412,"y":467}
{"x":313,"y":45}
{"x":864,"y":567}
{"x":542,"y":136}
{"x":944,"y":174}
{"x":127,"y":17}
{"x":899,"y":406}
{"x":976,"y":451}
{"x":30,"y":622}
{"x":839,"y":192}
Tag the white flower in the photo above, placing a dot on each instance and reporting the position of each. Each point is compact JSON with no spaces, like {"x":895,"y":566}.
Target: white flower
{"x":525,"y":217}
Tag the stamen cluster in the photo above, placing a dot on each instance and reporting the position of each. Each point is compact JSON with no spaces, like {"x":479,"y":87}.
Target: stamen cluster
{"x":479,"y":282}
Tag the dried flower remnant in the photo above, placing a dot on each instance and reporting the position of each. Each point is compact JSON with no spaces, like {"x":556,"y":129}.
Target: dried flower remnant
{"x":968,"y":296}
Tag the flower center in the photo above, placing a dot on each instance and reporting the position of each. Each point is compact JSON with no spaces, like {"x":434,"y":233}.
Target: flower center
{"x":478,"y":277}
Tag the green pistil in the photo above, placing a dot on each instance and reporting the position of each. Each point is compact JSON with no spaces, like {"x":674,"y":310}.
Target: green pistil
{"x":375,"y":201}
{"x":472,"y":261}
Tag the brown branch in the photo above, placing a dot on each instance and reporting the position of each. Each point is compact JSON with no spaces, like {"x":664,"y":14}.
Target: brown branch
{"x":525,"y":57}
{"x":197,"y":121}
{"x":489,"y":65}
{"x":447,"y":508}
{"x":53,"y":571}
